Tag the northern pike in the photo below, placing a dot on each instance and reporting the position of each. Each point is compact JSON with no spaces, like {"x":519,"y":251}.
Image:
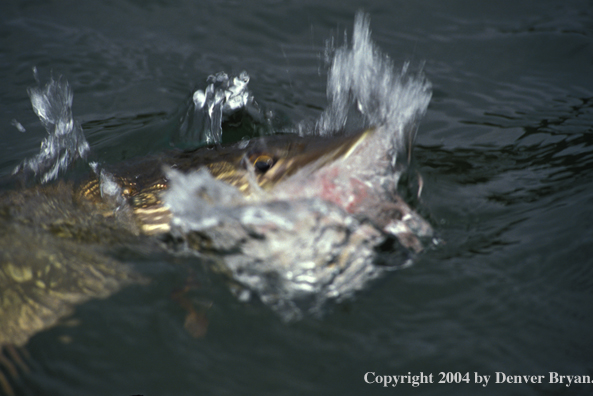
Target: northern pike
{"x":295,"y":220}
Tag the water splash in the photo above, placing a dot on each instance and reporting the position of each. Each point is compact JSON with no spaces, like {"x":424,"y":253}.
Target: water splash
{"x":111,"y":191}
{"x":65,"y":142}
{"x":365,"y":89}
{"x":304,"y":244}
{"x":202,"y":122}
{"x":295,"y":256}
{"x":197,"y":200}
{"x":18,"y":126}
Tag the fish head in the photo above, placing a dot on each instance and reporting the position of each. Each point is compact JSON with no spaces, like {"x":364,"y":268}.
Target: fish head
{"x":358,"y":172}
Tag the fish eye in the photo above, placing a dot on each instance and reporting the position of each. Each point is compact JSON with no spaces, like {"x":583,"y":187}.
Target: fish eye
{"x":263,"y":163}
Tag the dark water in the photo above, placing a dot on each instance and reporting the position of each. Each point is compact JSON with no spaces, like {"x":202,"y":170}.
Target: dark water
{"x":505,"y":150}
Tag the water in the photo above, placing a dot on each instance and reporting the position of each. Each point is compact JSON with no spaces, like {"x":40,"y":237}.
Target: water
{"x":65,"y":142}
{"x":504,"y":151}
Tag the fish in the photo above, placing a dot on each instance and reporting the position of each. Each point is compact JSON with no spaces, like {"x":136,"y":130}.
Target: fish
{"x":296,"y":220}
{"x":345,"y":170}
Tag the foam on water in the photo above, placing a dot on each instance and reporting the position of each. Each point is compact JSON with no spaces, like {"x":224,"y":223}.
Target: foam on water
{"x":65,"y":142}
